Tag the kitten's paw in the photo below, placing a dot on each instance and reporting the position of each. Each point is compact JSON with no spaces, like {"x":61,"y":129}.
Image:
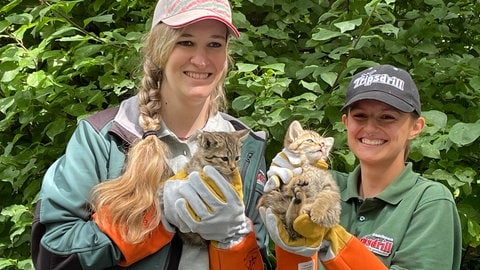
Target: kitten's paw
{"x":328,"y":218}
{"x":302,"y":183}
{"x":298,"y":195}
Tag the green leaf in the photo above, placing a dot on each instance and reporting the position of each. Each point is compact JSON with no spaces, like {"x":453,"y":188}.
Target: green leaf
{"x":312,"y":86}
{"x":6,"y":103}
{"x":7,"y":263}
{"x":429,"y":150}
{"x":280,"y":115}
{"x":435,"y":121}
{"x":7,"y":7}
{"x":243,"y":67}
{"x":389,"y":29}
{"x":242,"y":102}
{"x":88,"y":50}
{"x":21,"y":19}
{"x":304,"y":96}
{"x":102,"y":18}
{"x":4,"y":25}
{"x":329,"y":77}
{"x":466,"y":175}
{"x":54,"y":128}
{"x":434,"y":2}
{"x":277,"y":66}
{"x":475,"y":83}
{"x":324,"y":34}
{"x":35,"y":79}
{"x":10,"y":75}
{"x":464,"y":133}
{"x":348,"y":25}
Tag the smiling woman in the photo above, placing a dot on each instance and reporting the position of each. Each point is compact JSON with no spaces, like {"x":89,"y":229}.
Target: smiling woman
{"x":119,"y":159}
{"x":373,"y":127}
{"x":391,"y":216}
{"x":194,"y":69}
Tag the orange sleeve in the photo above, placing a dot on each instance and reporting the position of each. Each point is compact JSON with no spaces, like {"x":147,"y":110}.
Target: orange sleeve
{"x":287,"y":260}
{"x":135,"y":252}
{"x":244,"y":255}
{"x":354,"y":255}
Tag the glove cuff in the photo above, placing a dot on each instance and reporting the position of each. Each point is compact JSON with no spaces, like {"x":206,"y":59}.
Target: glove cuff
{"x":290,"y":260}
{"x":244,"y":231}
{"x":244,"y":255}
{"x":135,"y":252}
{"x":352,"y":255}
{"x":336,"y":240}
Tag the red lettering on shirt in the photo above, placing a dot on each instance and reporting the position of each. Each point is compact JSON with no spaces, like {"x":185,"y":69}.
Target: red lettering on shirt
{"x":378,"y":244}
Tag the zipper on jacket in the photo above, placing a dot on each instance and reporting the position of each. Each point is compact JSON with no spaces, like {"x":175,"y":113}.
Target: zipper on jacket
{"x":243,"y":172}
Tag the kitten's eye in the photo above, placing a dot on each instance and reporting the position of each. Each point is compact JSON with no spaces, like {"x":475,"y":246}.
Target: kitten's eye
{"x":237,"y":158}
{"x":310,"y":140}
{"x":224,"y":159}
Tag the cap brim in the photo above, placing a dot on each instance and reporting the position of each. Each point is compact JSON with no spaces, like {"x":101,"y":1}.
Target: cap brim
{"x":382,"y":97}
{"x":193,"y":16}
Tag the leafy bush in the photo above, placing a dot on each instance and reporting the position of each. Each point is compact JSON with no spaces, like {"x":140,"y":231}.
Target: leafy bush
{"x":62,"y":60}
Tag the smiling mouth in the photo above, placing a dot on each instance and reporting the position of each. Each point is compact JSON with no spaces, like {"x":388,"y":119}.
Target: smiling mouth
{"x":372,"y":142}
{"x":197,"y":75}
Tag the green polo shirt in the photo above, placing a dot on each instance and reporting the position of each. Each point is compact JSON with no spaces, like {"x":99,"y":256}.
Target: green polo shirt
{"x":412,"y":224}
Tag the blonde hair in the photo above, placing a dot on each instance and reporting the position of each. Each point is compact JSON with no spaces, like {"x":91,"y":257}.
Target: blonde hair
{"x":134,"y":195}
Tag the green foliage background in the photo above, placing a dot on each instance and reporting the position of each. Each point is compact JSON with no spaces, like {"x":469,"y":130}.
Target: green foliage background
{"x":63,"y":60}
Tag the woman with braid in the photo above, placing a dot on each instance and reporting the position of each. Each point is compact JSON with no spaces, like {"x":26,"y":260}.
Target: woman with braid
{"x":99,"y":206}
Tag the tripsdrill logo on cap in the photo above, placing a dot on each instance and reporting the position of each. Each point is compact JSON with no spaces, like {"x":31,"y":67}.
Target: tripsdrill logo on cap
{"x":370,"y":78}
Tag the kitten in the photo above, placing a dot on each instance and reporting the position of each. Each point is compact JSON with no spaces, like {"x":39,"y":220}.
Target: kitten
{"x":220,"y":150}
{"x":314,"y":191}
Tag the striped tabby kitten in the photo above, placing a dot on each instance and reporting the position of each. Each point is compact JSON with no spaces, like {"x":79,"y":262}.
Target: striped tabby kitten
{"x":314,"y":191}
{"x":220,"y":150}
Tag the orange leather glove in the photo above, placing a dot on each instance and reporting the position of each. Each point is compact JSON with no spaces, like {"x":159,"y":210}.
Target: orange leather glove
{"x":133,"y":253}
{"x":339,"y":249}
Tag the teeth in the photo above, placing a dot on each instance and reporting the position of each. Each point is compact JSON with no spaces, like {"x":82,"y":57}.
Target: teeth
{"x":196,"y":75}
{"x":372,"y":142}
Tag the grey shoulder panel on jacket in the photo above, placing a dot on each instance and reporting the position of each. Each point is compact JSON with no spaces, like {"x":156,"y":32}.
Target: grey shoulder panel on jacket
{"x":99,"y":119}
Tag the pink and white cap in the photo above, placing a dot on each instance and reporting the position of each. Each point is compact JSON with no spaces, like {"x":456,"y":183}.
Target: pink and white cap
{"x":180,"y":13}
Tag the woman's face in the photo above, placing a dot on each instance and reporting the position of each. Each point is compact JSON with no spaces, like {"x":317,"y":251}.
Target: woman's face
{"x":378,"y":133}
{"x":197,"y":61}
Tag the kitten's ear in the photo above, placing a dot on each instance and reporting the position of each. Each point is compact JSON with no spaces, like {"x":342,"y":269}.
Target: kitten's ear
{"x":205,"y":139}
{"x":242,"y":134}
{"x":293,"y":131}
{"x":329,"y":143}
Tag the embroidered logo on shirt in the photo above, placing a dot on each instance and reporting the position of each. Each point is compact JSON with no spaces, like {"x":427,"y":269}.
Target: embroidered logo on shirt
{"x":378,"y":244}
{"x":261,"y":179}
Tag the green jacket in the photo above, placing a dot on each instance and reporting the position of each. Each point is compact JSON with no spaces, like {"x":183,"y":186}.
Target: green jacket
{"x":63,"y":233}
